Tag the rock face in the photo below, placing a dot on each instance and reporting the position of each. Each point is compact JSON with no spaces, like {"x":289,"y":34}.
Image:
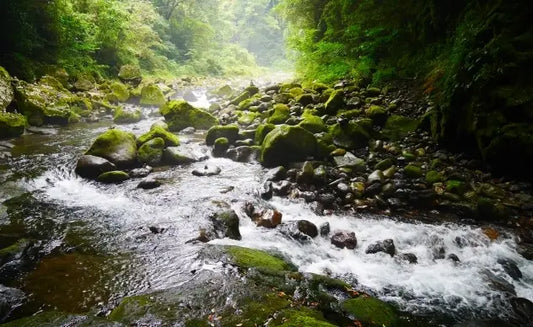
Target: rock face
{"x":91,"y":166}
{"x":117,"y":146}
{"x":6,"y":90}
{"x":11,"y":124}
{"x":180,"y":114}
{"x":285,"y":144}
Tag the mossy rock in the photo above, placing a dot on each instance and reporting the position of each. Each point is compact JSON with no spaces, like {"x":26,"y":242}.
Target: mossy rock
{"x":120,"y":91}
{"x":130,"y":74}
{"x":256,"y":312}
{"x":131,"y":306}
{"x":11,"y":124}
{"x":227,"y":223}
{"x":282,"y":98}
{"x":159,"y":132}
{"x":384,"y":164}
{"x":151,"y":152}
{"x":180,"y":114}
{"x":313,"y":124}
{"x":456,"y":187}
{"x":224,"y":91}
{"x":303,"y":317}
{"x":286,"y":87}
{"x":84,"y":83}
{"x":231,"y":132}
{"x":247,"y":117}
{"x":397,"y":127}
{"x":378,"y":114}
{"x":280,"y":115}
{"x":285,"y":144}
{"x":240,"y":98}
{"x":371,"y":311}
{"x":113,"y":177}
{"x":412,"y":171}
{"x":220,"y":146}
{"x":335,"y":102}
{"x":296,"y":92}
{"x":117,"y":146}
{"x":251,"y":258}
{"x":433,"y":177}
{"x":123,"y":116}
{"x":6,"y":90}
{"x":262,"y":131}
{"x":305,"y":99}
{"x":151,"y":95}
{"x":353,"y":135}
{"x":319,"y":87}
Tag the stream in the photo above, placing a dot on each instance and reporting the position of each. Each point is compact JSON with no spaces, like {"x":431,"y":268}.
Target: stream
{"x":93,"y":244}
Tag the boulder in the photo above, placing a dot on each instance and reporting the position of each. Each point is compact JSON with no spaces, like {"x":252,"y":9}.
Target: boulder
{"x":151,"y":152}
{"x":226,"y":224}
{"x":386,"y":246}
{"x":130,"y":116}
{"x":6,"y":90}
{"x":89,"y":166}
{"x":157,"y":131}
{"x":378,"y":114}
{"x":113,"y":177}
{"x":267,"y":218}
{"x":344,"y":239}
{"x":10,"y":299}
{"x":84,"y":83}
{"x":230,"y":132}
{"x":119,"y":91}
{"x":130,"y":74}
{"x":220,"y":147}
{"x":313,"y":124}
{"x":148,"y":184}
{"x":280,"y":115}
{"x":262,"y":131}
{"x":371,"y":311}
{"x":117,"y":146}
{"x":11,"y":124}
{"x":335,"y":102}
{"x":285,"y":144}
{"x":302,"y":230}
{"x":349,"y":160}
{"x":151,"y":95}
{"x":350,"y":135}
{"x":180,"y":114}
{"x":179,"y":156}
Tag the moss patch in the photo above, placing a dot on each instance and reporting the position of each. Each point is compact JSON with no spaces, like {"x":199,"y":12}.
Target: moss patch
{"x":151,"y":152}
{"x":371,"y":311}
{"x":180,"y":114}
{"x":280,"y":115}
{"x":151,"y":95}
{"x":11,"y":124}
{"x":117,"y":146}
{"x":158,"y":131}
{"x":304,"y":317}
{"x":251,"y":258}
{"x":231,"y":132}
{"x":113,"y":177}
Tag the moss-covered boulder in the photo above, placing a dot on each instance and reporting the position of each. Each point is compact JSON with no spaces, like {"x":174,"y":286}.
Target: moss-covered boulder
{"x":262,"y":131}
{"x":117,"y":146}
{"x":305,"y":99}
{"x":352,"y":135}
{"x":335,"y":102}
{"x":84,"y":83}
{"x":151,"y":152}
{"x":412,"y":171}
{"x":127,"y":116}
{"x":371,"y":311}
{"x":231,"y":132}
{"x":151,"y":95}
{"x":240,"y":98}
{"x":6,"y":90}
{"x":119,"y":91}
{"x":11,"y":124}
{"x":304,"y":317}
{"x":378,"y":114}
{"x":285,"y":144}
{"x":175,"y":156}
{"x":180,"y":114}
{"x":247,"y":118}
{"x":113,"y":177}
{"x":130,"y":74}
{"x":220,"y":147}
{"x":313,"y":124}
{"x":226,"y":224}
{"x":397,"y":127}
{"x":157,"y":131}
{"x":280,"y":115}
{"x":250,"y":258}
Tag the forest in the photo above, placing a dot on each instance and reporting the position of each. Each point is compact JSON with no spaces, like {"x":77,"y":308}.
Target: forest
{"x":266,"y":163}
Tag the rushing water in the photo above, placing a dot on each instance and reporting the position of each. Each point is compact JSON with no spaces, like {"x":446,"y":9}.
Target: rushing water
{"x":95,"y":244}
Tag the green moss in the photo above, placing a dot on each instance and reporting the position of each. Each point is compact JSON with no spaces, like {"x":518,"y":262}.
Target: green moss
{"x":11,"y":124}
{"x":220,"y":147}
{"x":131,"y":308}
{"x":151,"y":95}
{"x":384,"y":164}
{"x":115,"y":145}
{"x":130,"y":73}
{"x":120,"y":91}
{"x":287,"y":143}
{"x":180,"y":114}
{"x":246,"y":104}
{"x":247,"y":118}
{"x":456,"y":187}
{"x":413,"y":171}
{"x":113,"y":177}
{"x":335,"y":102}
{"x":296,"y":91}
{"x":11,"y":251}
{"x":286,"y":87}
{"x":240,"y":98}
{"x":231,"y":132}
{"x":350,"y":114}
{"x":378,"y":114}
{"x":353,"y":135}
{"x":280,"y":115}
{"x":398,"y":127}
{"x":303,"y":317}
{"x":251,"y":258}
{"x":262,"y":131}
{"x":158,"y":131}
{"x":313,"y":124}
{"x":371,"y":311}
{"x":6,"y":90}
{"x":151,"y":152}
{"x":122,"y":116}
{"x":55,"y":318}
{"x":256,"y":312}
{"x":433,"y":177}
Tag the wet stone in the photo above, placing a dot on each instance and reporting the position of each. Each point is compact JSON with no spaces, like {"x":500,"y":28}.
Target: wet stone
{"x":276,"y":174}
{"x":453,"y":257}
{"x":141,"y":172}
{"x":344,"y":239}
{"x":282,"y":188}
{"x":386,"y":246}
{"x":324,"y":229}
{"x":149,"y":183}
{"x":207,"y":171}
{"x":510,"y":268}
{"x":266,"y":191}
{"x":409,"y":257}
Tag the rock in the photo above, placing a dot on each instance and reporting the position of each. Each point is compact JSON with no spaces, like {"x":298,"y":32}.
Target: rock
{"x":305,"y":99}
{"x":117,"y":146}
{"x":89,"y":166}
{"x":397,"y":127}
{"x":141,"y":172}
{"x":220,"y":147}
{"x":412,"y":171}
{"x":373,"y":92}
{"x":386,"y":246}
{"x":280,"y":115}
{"x":207,"y":171}
{"x":308,"y":228}
{"x":376,"y":177}
{"x":180,"y":114}
{"x":6,"y":90}
{"x":409,"y":257}
{"x":226,"y":224}
{"x":324,"y":229}
{"x":344,"y":239}
{"x":243,"y":153}
{"x":119,"y":92}
{"x":523,"y":310}
{"x":351,"y":135}
{"x":498,"y":283}
{"x":335,"y":102}
{"x":433,"y":177}
{"x":230,"y":132}
{"x":453,"y":257}
{"x":282,"y":188}
{"x":127,"y":116}
{"x":349,"y":160}
{"x":156,"y":229}
{"x":11,"y":124}
{"x":179,"y":156}
{"x":240,"y":98}
{"x":268,"y":218}
{"x":285,"y":144}
{"x":266,"y":191}
{"x":130,"y":74}
{"x":151,"y":95}
{"x":276,"y":174}
{"x":378,"y":114}
{"x":224,"y":91}
{"x":10,"y":298}
{"x":384,"y":164}
{"x":159,"y":132}
{"x":151,"y":152}
{"x":84,"y":83}
{"x":113,"y":177}
{"x":370,"y":311}
{"x":262,"y":131}
{"x":313,"y":124}
{"x":148,"y":184}
{"x":510,"y":268}
{"x":302,"y":230}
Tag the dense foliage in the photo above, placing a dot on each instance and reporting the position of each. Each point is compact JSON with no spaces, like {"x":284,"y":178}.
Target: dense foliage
{"x":161,"y":36}
{"x":473,"y":57}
